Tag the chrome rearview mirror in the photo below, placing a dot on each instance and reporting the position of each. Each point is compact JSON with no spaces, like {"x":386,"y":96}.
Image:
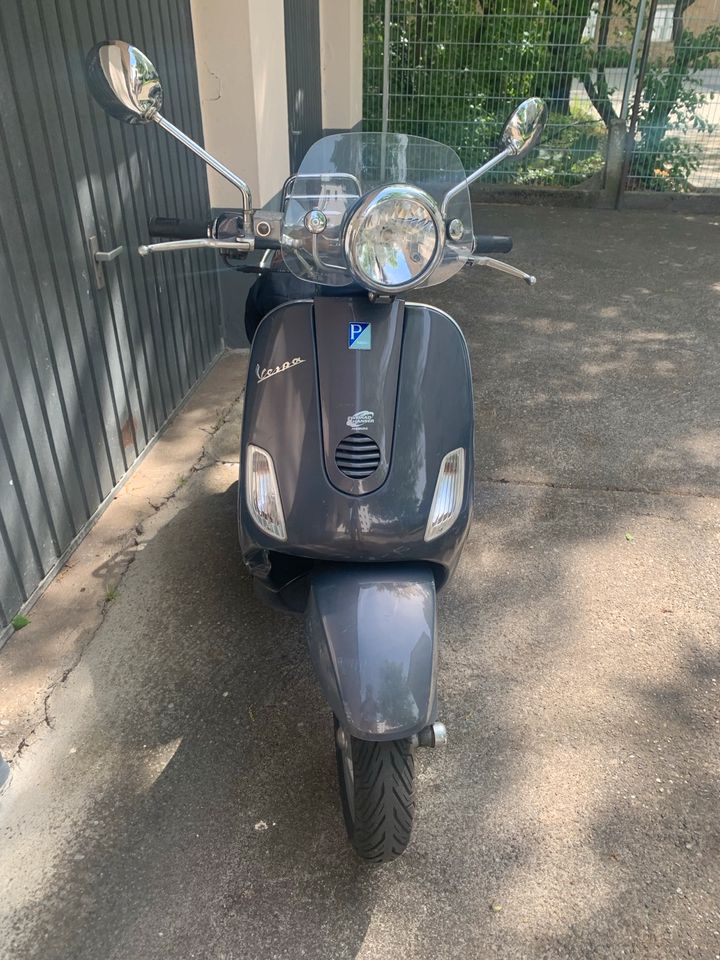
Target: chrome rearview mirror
{"x":524,"y":128}
{"x":522,"y":132}
{"x":124,"y":82}
{"x":127,"y":86}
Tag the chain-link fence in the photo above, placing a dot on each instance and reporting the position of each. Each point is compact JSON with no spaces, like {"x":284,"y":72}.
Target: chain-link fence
{"x":677,"y":140}
{"x":452,"y":70}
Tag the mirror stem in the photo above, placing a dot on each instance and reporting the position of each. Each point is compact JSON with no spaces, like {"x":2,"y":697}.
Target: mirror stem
{"x":481,"y":171}
{"x":216,"y":165}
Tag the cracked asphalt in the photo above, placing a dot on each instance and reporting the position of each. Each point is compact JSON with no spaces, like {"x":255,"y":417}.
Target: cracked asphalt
{"x":180,"y":802}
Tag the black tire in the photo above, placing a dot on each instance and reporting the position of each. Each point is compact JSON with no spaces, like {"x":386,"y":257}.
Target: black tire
{"x":378,"y":794}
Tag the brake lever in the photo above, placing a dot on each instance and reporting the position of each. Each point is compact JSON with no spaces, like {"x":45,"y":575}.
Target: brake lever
{"x":241,"y":245}
{"x":503,"y":268}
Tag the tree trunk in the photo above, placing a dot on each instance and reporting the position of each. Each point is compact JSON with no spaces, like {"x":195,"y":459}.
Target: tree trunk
{"x":565,"y":54}
{"x":598,"y":90}
{"x":655,"y":124}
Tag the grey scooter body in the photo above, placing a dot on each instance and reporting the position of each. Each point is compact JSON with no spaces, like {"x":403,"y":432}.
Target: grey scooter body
{"x":360,"y":415}
{"x":355,"y":560}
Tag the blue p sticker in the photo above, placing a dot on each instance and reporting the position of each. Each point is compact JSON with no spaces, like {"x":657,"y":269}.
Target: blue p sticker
{"x":359,"y":336}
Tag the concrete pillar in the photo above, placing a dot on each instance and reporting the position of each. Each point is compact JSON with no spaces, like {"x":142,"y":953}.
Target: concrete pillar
{"x":4,"y":774}
{"x":614,"y":161}
{"x":240,"y":51}
{"x":341,"y":49}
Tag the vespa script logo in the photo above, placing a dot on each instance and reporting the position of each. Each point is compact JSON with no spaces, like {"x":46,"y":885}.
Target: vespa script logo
{"x":361,"y":420}
{"x":268,"y":372}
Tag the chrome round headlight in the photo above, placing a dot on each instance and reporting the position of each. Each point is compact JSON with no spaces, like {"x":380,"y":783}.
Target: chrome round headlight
{"x":394,"y":238}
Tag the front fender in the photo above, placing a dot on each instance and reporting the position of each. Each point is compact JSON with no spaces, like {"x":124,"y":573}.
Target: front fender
{"x":371,"y":633}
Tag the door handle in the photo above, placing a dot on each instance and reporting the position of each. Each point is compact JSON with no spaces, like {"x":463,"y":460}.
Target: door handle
{"x":104,"y":256}
{"x":99,"y":257}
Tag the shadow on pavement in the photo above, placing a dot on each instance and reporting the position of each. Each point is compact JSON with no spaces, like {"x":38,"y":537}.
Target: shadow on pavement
{"x":219,"y":818}
{"x":573,"y":813}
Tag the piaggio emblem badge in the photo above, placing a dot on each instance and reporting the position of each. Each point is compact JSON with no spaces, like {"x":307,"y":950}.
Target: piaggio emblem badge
{"x":361,"y":420}
{"x":359,"y":336}
{"x":268,"y":372}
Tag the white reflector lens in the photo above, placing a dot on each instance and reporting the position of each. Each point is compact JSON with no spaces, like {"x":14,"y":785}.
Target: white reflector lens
{"x":448,"y":494}
{"x":262,"y":494}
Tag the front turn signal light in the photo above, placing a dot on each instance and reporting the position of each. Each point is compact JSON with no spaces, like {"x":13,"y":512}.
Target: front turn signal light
{"x":448,"y":497}
{"x":262,"y":493}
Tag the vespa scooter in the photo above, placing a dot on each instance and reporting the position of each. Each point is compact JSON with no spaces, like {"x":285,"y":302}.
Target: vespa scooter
{"x":356,"y":477}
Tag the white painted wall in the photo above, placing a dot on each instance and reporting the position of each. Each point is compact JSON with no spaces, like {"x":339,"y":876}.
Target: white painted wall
{"x":341,"y":33}
{"x":240,"y":50}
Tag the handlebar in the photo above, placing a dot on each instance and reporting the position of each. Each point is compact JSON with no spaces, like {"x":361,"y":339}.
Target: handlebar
{"x":486,"y":243}
{"x":503,"y":268}
{"x":225,"y":232}
{"x":239,"y":245}
{"x":174,"y":228}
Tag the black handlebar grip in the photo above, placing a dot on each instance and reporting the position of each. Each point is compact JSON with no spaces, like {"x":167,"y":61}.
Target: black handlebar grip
{"x":484,"y":243}
{"x":172,"y":228}
{"x":266,"y":243}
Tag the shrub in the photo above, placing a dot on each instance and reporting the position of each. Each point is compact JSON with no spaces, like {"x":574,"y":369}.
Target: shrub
{"x":458,"y":67}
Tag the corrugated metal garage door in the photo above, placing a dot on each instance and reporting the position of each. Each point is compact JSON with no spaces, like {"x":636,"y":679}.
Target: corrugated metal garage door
{"x":304,"y":94}
{"x":88,"y":375}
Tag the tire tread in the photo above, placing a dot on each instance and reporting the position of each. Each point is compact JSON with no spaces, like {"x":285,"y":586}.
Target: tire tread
{"x":384,"y":798}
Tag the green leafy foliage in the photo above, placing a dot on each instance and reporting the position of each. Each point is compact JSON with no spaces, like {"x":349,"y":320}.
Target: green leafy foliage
{"x":19,"y":621}
{"x":666,"y":165}
{"x":457,"y":74}
{"x":458,"y":68}
{"x":573,"y":150}
{"x":664,"y":158}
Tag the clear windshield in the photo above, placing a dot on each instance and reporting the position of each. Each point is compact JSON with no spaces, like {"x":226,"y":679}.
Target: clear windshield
{"x":337,"y":171}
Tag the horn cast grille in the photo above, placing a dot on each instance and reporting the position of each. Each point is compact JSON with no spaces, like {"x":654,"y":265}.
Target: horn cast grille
{"x":357,"y":456}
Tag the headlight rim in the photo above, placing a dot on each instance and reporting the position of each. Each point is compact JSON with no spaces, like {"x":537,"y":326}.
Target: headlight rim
{"x":357,"y":218}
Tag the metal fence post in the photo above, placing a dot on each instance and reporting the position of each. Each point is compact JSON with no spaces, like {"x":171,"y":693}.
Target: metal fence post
{"x":630,"y":136}
{"x":386,"y":69}
{"x":633,"y":60}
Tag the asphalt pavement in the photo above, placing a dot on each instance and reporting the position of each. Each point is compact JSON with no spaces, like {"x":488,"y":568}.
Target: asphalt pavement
{"x":180,"y":801}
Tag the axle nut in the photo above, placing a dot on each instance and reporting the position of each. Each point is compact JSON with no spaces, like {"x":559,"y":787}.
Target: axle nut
{"x":434,"y":735}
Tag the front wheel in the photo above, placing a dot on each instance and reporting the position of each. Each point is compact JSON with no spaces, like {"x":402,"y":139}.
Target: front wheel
{"x":377,"y":789}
